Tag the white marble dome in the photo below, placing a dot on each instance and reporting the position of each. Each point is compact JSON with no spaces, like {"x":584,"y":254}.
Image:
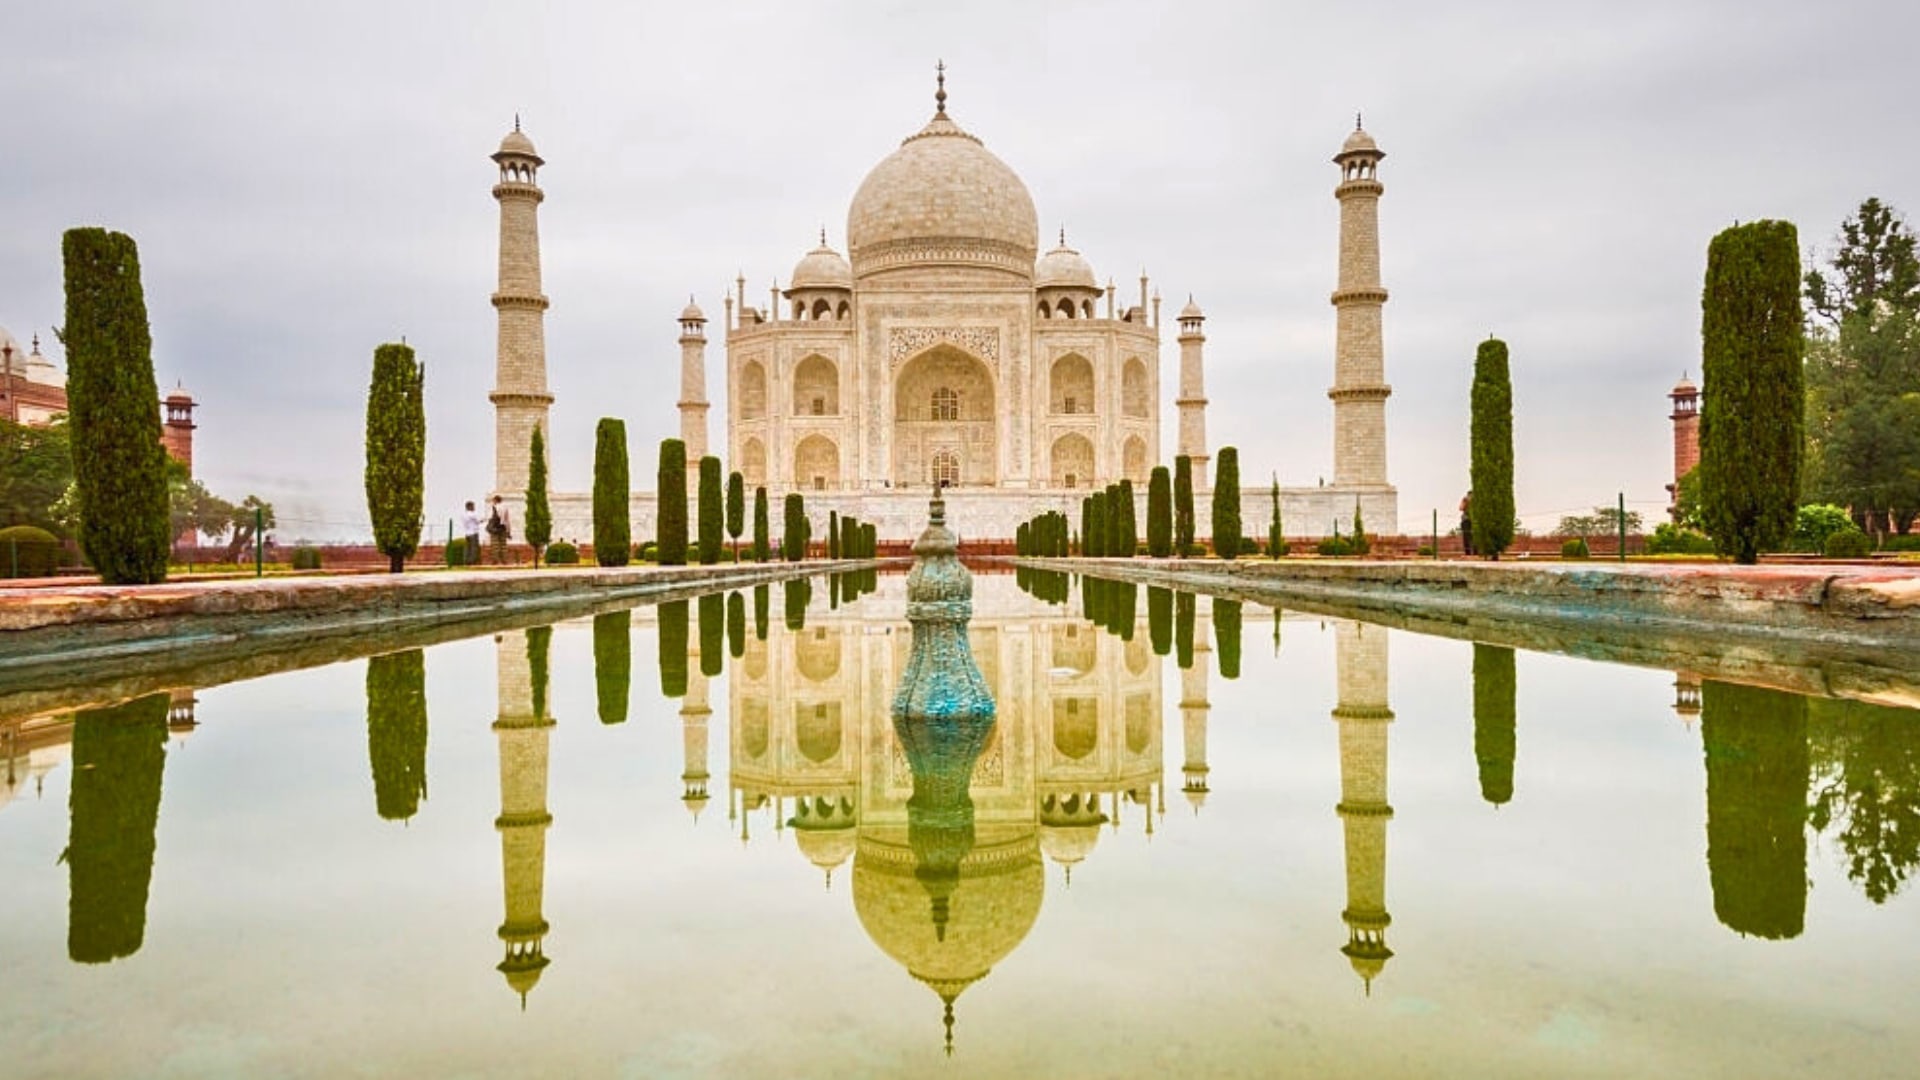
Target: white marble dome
{"x":822,"y":268}
{"x":943,"y":198}
{"x":1065,"y":268}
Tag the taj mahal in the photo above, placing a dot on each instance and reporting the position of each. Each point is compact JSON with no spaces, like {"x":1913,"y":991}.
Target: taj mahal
{"x":945,"y":347}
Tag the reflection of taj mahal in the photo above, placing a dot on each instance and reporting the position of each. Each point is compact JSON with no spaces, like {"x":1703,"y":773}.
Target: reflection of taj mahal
{"x":946,"y":347}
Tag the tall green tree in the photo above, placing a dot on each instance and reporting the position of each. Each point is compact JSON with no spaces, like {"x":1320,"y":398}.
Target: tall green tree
{"x":1097,"y":529}
{"x":1226,"y":630}
{"x":1875,"y":264}
{"x":736,"y":625}
{"x":712,"y":511}
{"x":672,"y":642}
{"x":1276,"y":537}
{"x":1160,"y":513}
{"x":793,"y":533}
{"x":612,"y":495}
{"x":1130,"y":526}
{"x":397,"y":732}
{"x":1494,"y":720}
{"x":1757,"y":771}
{"x":736,"y":510}
{"x":711,"y":617}
{"x":1227,"y":536}
{"x":1087,"y":543}
{"x":1491,"y":436}
{"x":761,"y":603}
{"x":36,"y":468}
{"x":119,"y":756}
{"x":119,"y":469}
{"x":671,"y":491}
{"x":539,"y":671}
{"x":1184,"y":613}
{"x":612,"y":665}
{"x":1183,"y":505}
{"x":833,"y":534}
{"x":1160,"y":619}
{"x":761,"y":552}
{"x":1752,"y":343}
{"x":396,"y":453}
{"x":539,"y":524}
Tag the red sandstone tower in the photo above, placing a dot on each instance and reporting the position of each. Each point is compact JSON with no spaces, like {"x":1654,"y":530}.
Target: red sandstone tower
{"x":176,"y":434}
{"x":1686,"y":438}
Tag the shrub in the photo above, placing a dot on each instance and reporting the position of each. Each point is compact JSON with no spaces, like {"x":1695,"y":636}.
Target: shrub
{"x":612,"y":526}
{"x":119,"y":469}
{"x":561,"y":553}
{"x":1901,"y":543}
{"x":26,"y":551}
{"x":1425,"y":551}
{"x":306,"y":557}
{"x":396,"y":453}
{"x":1575,"y":548}
{"x":1669,"y":539}
{"x":1814,"y":523}
{"x":456,"y":553}
{"x":1752,"y":343}
{"x":1334,"y":545}
{"x":647,"y":551}
{"x":1847,"y":543}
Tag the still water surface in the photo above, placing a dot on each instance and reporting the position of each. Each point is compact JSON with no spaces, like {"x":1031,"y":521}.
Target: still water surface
{"x":1205,"y":839}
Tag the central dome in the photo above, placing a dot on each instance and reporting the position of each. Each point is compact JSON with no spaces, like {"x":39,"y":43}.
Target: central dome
{"x":942,"y":199}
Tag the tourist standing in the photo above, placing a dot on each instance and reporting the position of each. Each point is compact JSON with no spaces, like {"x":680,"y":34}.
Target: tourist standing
{"x":470,"y":528}
{"x":499,"y":530}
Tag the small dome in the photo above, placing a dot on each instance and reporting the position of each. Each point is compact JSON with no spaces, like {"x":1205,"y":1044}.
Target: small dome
{"x":178,"y":393}
{"x":517,"y":142}
{"x":1068,"y":844}
{"x":1684,"y":386}
{"x":1359,"y":142}
{"x":692,"y":312}
{"x":826,"y":848}
{"x":1064,"y":268}
{"x":822,"y":268}
{"x":1192,"y":310}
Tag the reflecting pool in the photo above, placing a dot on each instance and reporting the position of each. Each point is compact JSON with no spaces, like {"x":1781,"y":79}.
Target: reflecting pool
{"x":1194,"y":837}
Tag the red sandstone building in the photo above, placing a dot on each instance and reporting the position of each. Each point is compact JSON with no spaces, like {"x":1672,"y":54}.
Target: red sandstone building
{"x":33,"y":391}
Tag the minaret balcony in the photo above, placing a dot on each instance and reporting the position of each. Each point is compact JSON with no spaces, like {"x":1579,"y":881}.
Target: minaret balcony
{"x":514,"y":189}
{"x":1364,"y":294}
{"x":1379,"y":392}
{"x":523,"y":301}
{"x":1359,"y":187}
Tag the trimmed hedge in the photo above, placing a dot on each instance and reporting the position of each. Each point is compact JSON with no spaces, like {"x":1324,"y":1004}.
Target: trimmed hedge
{"x":562,"y":553}
{"x":1576,"y":548}
{"x":27,"y":551}
{"x":1847,"y":543}
{"x":306,"y":557}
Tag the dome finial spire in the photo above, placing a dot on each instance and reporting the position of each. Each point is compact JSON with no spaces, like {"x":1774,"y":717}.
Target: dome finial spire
{"x":1063,"y":236}
{"x":516,"y":121}
{"x":1356,"y":119}
{"x":940,"y":91}
{"x":823,"y":236}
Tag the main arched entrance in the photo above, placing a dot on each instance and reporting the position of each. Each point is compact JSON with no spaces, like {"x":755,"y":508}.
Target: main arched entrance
{"x":944,"y":423}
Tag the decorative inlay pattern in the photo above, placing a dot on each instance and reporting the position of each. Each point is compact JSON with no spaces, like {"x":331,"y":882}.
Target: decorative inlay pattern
{"x":906,"y":341}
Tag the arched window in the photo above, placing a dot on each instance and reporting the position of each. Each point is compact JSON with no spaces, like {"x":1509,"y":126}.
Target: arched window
{"x":946,"y":469}
{"x":946,"y":403}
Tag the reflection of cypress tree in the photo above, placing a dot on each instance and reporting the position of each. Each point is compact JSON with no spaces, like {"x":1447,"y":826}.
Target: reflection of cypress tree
{"x":1757,"y":765}
{"x":833,"y":590}
{"x":797,"y":593}
{"x":713,"y":634}
{"x":673,"y":648}
{"x":1493,"y":721}
{"x":762,"y":602}
{"x":613,"y":664}
{"x":736,"y":625}
{"x":1124,"y":609}
{"x":1226,"y":627}
{"x":397,"y":732}
{"x":1183,"y":609}
{"x":118,"y":757}
{"x":1090,"y":599}
{"x":539,"y":641}
{"x":1160,"y":619}
{"x":1866,"y":762}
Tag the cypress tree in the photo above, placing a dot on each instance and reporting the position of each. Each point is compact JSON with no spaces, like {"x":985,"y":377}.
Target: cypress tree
{"x":397,"y":732}
{"x":793,"y":536}
{"x":539,"y":525}
{"x":612,"y":664}
{"x":396,"y":453}
{"x":119,"y":469}
{"x":833,"y":534}
{"x":1183,"y":505}
{"x":736,"y":510}
{"x":1097,"y":527}
{"x":1226,"y":629}
{"x":1160,"y":619}
{"x":1086,"y":526}
{"x":1359,"y":544}
{"x":1124,"y":609}
{"x":1491,"y":517}
{"x":612,"y":527}
{"x":761,"y":604}
{"x":712,"y":511}
{"x":850,"y":539}
{"x":1757,"y":770}
{"x":1183,"y":615}
{"x":1130,"y":526}
{"x":1022,"y":544}
{"x":1227,"y":538}
{"x":736,"y":625}
{"x":1752,"y":340}
{"x":713,"y":634}
{"x":1276,"y":538}
{"x":539,"y":648}
{"x":1493,"y":721}
{"x":119,"y":756}
{"x":1159,"y":514}
{"x":673,"y":648}
{"x":869,"y":541}
{"x":795,"y":594}
{"x":760,"y":526}
{"x":671,"y":490}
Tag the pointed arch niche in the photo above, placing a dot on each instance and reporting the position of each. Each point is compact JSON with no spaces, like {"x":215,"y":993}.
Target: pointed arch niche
{"x":943,"y":402}
{"x":816,"y":387}
{"x":816,"y":464}
{"x":1070,"y":465}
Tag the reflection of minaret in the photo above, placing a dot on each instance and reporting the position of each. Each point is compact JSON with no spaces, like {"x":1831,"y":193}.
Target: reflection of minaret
{"x":694,"y":712}
{"x":180,"y":713}
{"x":1686,"y":697}
{"x":1363,"y":715}
{"x":1193,"y":715}
{"x":522,"y":728}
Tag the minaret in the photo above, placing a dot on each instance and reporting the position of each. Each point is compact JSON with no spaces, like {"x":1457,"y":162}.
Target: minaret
{"x":522,"y":728}
{"x":176,"y":432}
{"x":1359,"y":368}
{"x":1360,"y":660}
{"x":1192,"y":401}
{"x":1686,"y":438}
{"x":1194,"y":709}
{"x":694,"y":712}
{"x":520,"y":398}
{"x":693,"y":385}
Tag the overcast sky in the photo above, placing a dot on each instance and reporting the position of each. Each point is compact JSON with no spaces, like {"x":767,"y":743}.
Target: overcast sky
{"x":306,"y":182}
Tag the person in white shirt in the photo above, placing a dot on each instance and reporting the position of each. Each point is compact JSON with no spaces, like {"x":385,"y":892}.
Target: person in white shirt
{"x":470,"y":527}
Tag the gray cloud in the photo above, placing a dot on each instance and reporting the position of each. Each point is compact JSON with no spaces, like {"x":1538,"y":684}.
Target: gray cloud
{"x":308,"y":182}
